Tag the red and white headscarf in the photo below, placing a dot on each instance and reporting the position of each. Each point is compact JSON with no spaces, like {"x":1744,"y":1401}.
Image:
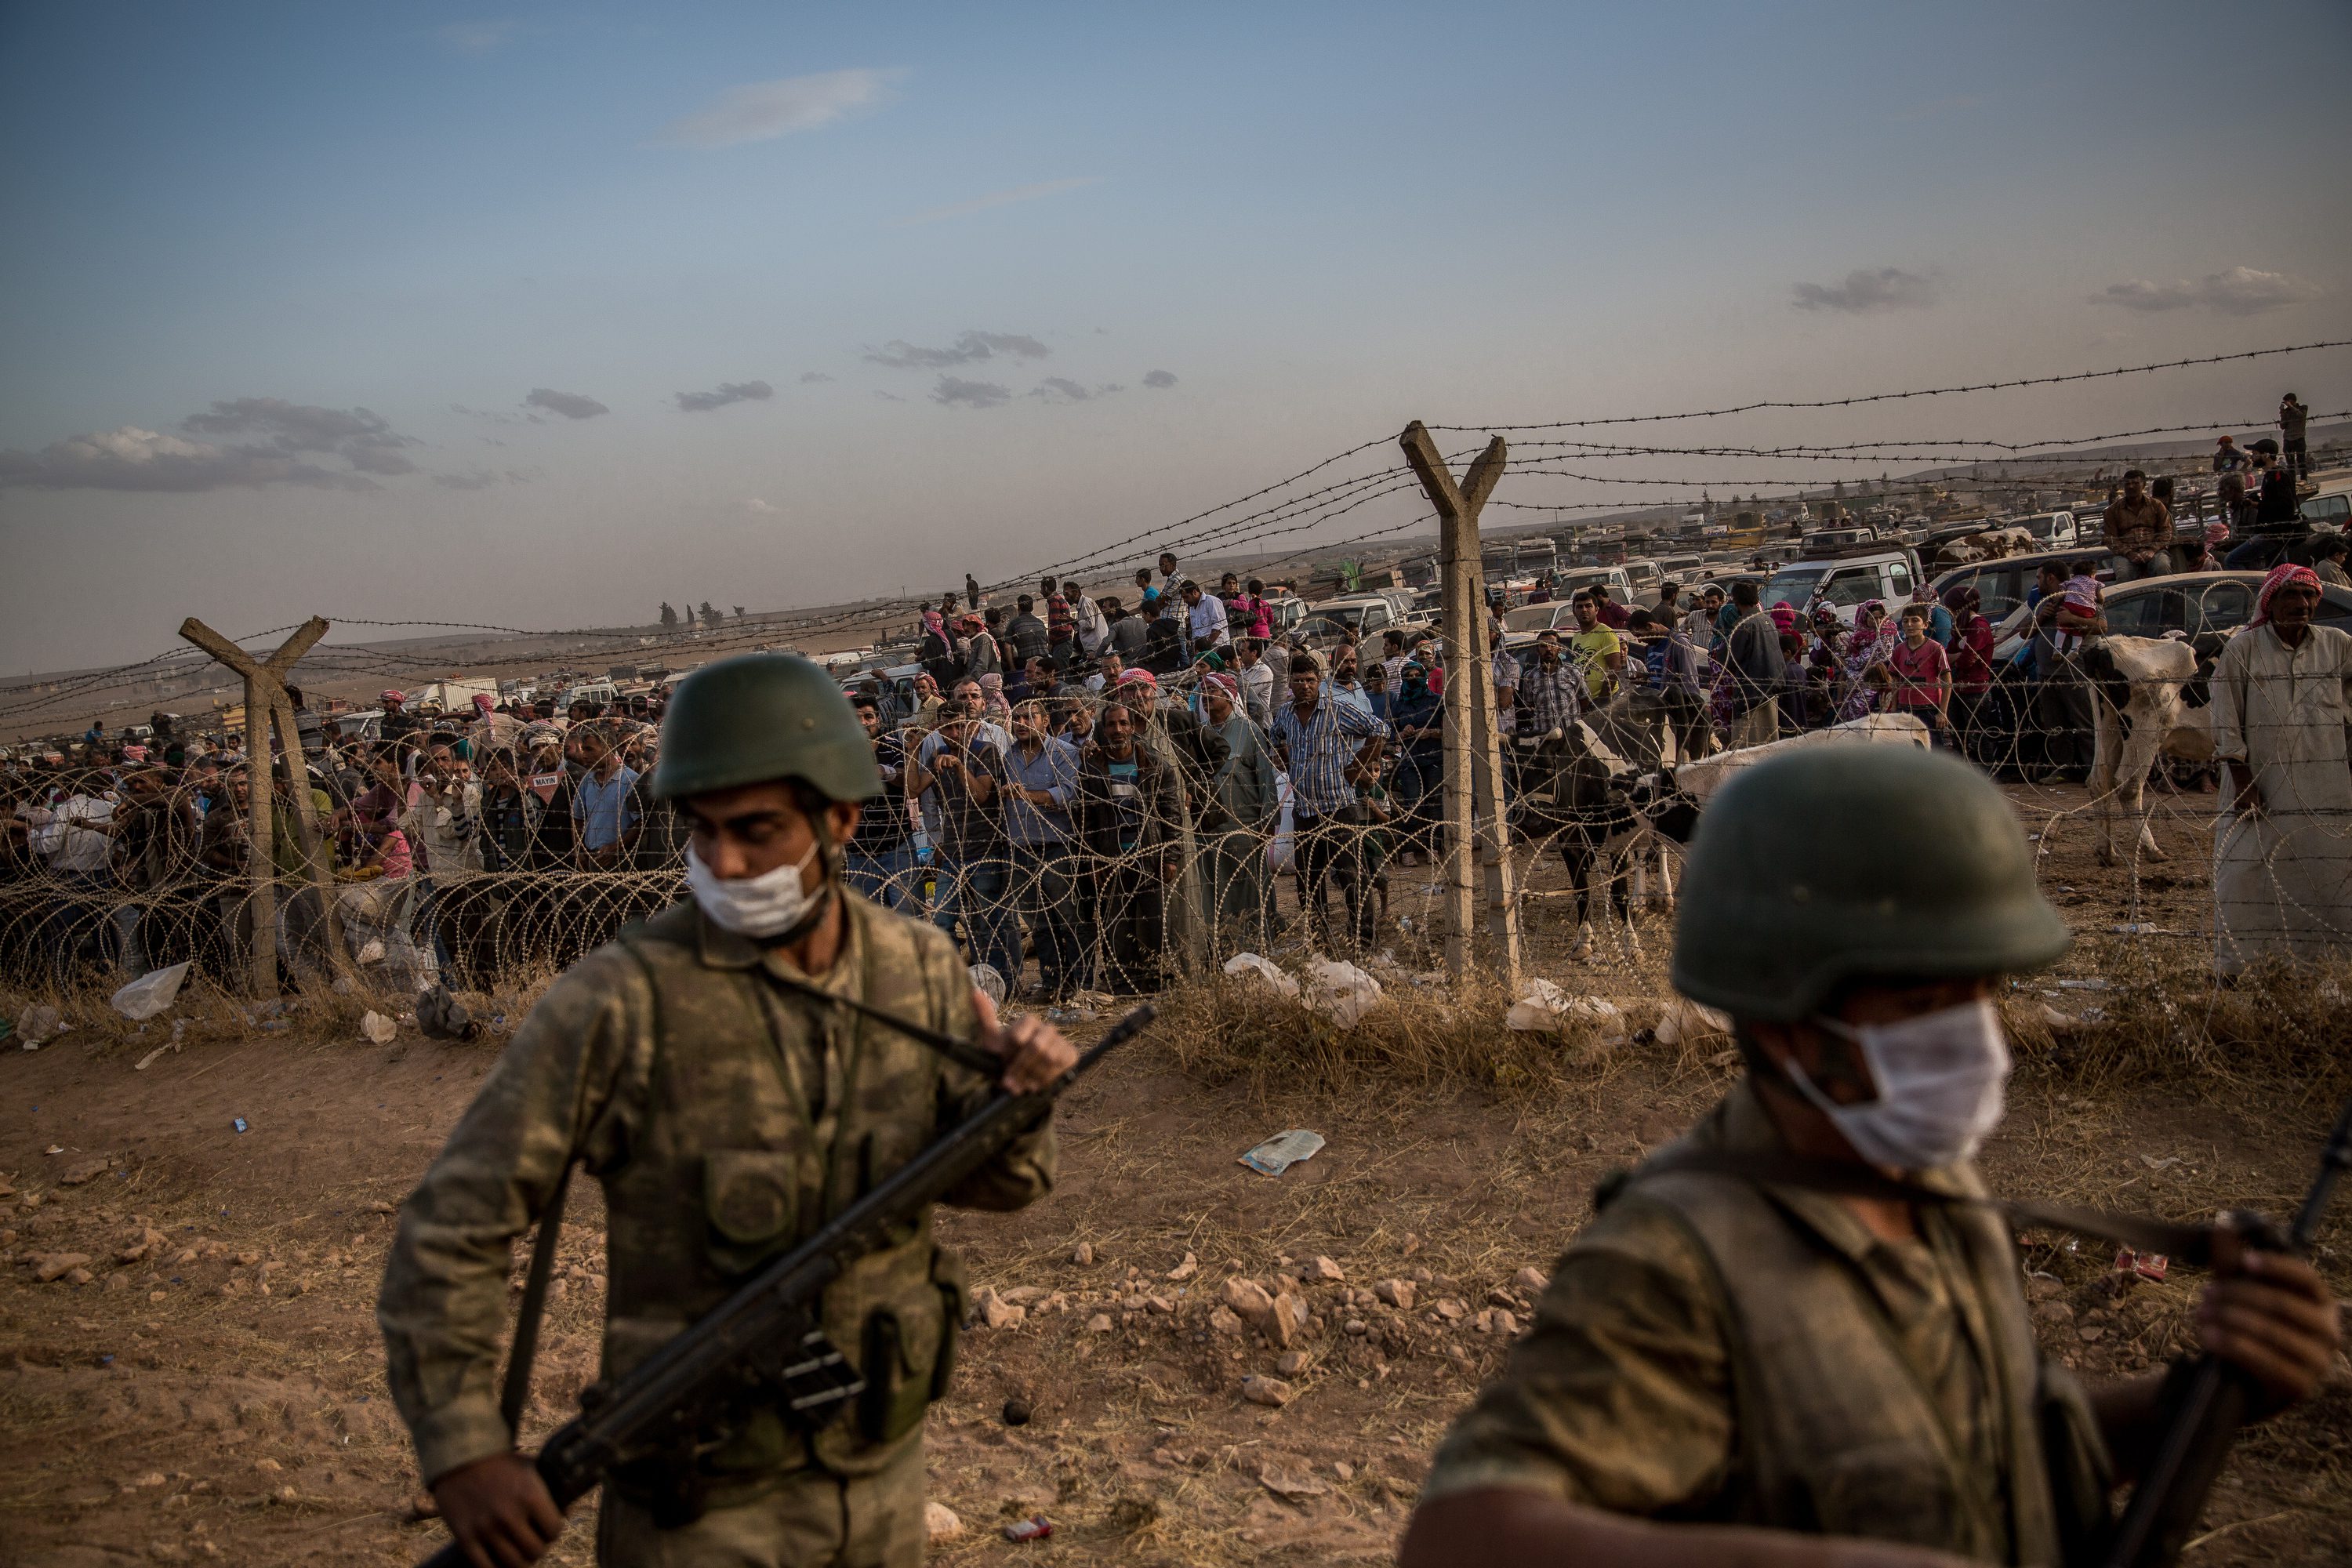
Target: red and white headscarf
{"x":2284,"y":573}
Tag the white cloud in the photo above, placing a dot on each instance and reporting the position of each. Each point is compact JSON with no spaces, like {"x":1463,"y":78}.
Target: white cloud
{"x":728,"y":392}
{"x":1062,"y":389}
{"x":476,"y":39}
{"x":755,"y":507}
{"x":764,"y":111}
{"x":969,"y":348}
{"x":571,"y":405}
{"x":131,"y":458}
{"x":2240,"y":291}
{"x":953,"y":390}
{"x":1867,"y":291}
{"x":1002,"y":199}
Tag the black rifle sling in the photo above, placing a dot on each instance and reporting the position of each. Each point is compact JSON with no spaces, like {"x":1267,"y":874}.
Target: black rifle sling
{"x":2190,"y":1243}
{"x":962,"y":1052}
{"x":516,"y":1391}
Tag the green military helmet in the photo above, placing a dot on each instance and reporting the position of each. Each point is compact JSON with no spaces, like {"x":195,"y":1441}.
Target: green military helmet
{"x":1838,"y":862}
{"x":763,"y":716}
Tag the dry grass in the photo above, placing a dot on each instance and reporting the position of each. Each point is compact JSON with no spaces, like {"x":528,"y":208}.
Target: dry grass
{"x":2158,"y":1022}
{"x":1418,"y":1036}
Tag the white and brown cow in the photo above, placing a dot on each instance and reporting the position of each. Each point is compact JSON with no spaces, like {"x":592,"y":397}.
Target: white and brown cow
{"x":2139,"y":693}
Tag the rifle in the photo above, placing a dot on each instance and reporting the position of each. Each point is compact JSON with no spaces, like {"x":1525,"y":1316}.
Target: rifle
{"x":2208,"y":1399}
{"x":762,"y":1343}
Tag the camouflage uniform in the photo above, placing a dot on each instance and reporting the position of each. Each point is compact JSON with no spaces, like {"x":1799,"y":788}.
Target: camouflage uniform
{"x":1710,"y":1349}
{"x":726,"y":1117}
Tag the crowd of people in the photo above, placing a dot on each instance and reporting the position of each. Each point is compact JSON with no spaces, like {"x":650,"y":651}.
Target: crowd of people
{"x":1092,"y":792}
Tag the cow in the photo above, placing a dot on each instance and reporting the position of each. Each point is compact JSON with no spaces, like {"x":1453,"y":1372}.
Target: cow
{"x":2146,"y":706}
{"x":1588,"y":787}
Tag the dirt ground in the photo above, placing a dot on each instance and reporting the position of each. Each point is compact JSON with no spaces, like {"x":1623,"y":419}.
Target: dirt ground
{"x":206,"y":1380}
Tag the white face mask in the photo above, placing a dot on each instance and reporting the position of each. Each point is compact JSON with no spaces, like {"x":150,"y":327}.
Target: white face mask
{"x":1939,"y":1078}
{"x":766,"y":905}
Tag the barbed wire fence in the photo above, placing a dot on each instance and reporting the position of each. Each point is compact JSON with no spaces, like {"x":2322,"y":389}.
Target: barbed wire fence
{"x":107,"y":874}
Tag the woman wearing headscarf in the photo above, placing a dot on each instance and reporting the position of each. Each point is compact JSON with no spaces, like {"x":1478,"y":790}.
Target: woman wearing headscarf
{"x":995,"y":706}
{"x":937,"y":652}
{"x":1870,"y":645}
{"x":1972,"y":646}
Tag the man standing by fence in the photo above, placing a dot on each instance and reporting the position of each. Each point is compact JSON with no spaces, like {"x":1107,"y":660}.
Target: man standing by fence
{"x":2138,"y":527}
{"x":1325,"y":745}
{"x":2283,"y":847}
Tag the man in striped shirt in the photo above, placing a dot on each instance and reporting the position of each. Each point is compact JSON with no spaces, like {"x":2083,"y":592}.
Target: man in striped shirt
{"x":1326,"y":746}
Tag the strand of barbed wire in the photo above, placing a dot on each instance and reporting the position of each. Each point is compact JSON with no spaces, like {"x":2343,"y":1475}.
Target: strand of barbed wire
{"x":1858,"y":399}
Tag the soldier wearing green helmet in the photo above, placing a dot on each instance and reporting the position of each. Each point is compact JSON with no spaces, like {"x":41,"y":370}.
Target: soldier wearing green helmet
{"x":1792,"y":1336}
{"x":722,"y":1070}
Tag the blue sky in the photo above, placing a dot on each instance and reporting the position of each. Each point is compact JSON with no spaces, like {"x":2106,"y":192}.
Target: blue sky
{"x":1319,"y":221}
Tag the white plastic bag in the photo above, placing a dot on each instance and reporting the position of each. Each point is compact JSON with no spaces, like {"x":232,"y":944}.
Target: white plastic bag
{"x":1285,"y":843}
{"x":985,"y":978}
{"x":1341,"y":992}
{"x":150,"y":994}
{"x":1688,"y":1021}
{"x":1546,"y":1009}
{"x":1265,"y":969}
{"x":378,"y":1028}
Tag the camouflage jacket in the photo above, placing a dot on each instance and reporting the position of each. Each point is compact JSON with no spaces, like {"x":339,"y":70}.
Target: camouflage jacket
{"x":726,"y":1118}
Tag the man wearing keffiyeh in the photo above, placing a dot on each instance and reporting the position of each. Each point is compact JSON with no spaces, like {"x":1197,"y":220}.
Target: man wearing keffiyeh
{"x":2283,"y":846}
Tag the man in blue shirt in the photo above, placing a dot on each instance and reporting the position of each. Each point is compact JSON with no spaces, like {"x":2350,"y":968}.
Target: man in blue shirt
{"x":602,"y":809}
{"x":1040,"y":783}
{"x":1326,"y":746}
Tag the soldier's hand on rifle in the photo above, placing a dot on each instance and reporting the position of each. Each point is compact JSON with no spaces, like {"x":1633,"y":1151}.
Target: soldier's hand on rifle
{"x":1034,"y":1052}
{"x":499,"y":1510}
{"x":2270,"y":1314}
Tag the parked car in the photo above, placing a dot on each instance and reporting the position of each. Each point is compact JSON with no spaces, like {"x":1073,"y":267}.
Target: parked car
{"x":1847,"y":580}
{"x":1369,"y":613}
{"x":2001,"y":586}
{"x":2330,"y":509}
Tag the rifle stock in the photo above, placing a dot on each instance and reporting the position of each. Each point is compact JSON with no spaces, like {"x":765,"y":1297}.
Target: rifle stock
{"x":747,"y":1340}
{"x":2208,"y":1403}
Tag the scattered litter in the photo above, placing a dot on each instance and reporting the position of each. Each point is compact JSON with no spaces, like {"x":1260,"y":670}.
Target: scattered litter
{"x":2095,"y":983}
{"x":940,"y":1522}
{"x":1341,"y":991}
{"x":1036,"y":1527}
{"x":1684,"y":1020}
{"x":2059,"y":1022}
{"x":238,"y":1124}
{"x":2153,"y":1164}
{"x":372,"y":953}
{"x":986,"y":978}
{"x":141,"y":1064}
{"x":55,"y":1149}
{"x":1265,"y":969}
{"x":377,"y":1028}
{"x":1546,"y":1008}
{"x":150,"y":994}
{"x":39,"y":1024}
{"x":1282,"y":1150}
{"x":2146,"y":1265}
{"x":2143,"y":928}
{"x":443,"y":1018}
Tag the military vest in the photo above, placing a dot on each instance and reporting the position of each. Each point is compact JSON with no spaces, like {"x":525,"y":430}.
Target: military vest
{"x":736,"y":1163}
{"x":1837,"y":1432}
